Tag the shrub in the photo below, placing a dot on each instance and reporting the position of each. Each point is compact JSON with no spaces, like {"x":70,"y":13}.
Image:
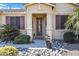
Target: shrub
{"x":8,"y":51}
{"x":22,"y":39}
{"x":8,"y":32}
{"x":69,"y":37}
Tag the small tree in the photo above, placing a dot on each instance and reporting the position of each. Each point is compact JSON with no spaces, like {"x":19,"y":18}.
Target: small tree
{"x":73,"y":22}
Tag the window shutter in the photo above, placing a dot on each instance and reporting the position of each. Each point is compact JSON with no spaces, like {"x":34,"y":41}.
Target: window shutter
{"x":58,"y":21}
{"x":7,"y":20}
{"x":22,"y":22}
{"x":17,"y":22}
{"x":63,"y":20}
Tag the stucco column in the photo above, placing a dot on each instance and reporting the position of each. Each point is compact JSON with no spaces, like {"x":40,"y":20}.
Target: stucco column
{"x":49,"y":25}
{"x":29,"y":24}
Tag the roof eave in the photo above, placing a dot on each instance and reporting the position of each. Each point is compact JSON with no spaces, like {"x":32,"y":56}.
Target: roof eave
{"x":29,"y":4}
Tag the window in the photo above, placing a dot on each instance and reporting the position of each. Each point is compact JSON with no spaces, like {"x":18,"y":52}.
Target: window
{"x":60,"y":20}
{"x":17,"y":21}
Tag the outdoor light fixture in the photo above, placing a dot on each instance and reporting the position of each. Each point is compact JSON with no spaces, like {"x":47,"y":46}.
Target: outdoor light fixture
{"x":39,"y":6}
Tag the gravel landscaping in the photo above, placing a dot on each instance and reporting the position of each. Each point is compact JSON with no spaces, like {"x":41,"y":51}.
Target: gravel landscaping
{"x":65,"y":49}
{"x":36,"y":52}
{"x":38,"y":48}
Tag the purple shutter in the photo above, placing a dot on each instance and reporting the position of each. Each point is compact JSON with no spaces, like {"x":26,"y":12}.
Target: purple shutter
{"x":7,"y":20}
{"x":22,"y":22}
{"x":58,"y":21}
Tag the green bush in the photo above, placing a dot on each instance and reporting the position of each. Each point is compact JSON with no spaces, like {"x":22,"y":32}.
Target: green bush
{"x":8,"y":32}
{"x":69,"y":37}
{"x":22,"y":39}
{"x":8,"y":51}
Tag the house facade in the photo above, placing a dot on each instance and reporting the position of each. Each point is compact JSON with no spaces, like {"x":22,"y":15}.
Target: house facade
{"x":38,"y":19}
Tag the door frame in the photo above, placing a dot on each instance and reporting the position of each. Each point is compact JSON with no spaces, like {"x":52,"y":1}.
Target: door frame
{"x":44,"y":17}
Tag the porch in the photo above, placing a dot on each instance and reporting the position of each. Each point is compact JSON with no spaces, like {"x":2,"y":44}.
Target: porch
{"x":39,"y":24}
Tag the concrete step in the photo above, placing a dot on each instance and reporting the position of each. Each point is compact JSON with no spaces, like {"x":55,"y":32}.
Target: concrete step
{"x":38,"y":37}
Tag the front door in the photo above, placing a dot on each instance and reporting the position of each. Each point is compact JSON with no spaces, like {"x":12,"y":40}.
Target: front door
{"x":39,"y":26}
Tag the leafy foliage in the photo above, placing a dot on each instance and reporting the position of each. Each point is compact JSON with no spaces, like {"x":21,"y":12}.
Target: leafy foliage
{"x":8,"y":51}
{"x":69,"y":37}
{"x":22,"y":39}
{"x":73,"y":21}
{"x":8,"y":32}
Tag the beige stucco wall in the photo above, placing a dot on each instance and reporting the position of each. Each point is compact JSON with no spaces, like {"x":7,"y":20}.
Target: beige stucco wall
{"x":36,"y":8}
{"x":61,"y":9}
{"x":3,"y":19}
{"x":40,"y":9}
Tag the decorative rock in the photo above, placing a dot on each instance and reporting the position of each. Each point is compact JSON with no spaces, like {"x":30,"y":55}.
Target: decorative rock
{"x":36,"y":52}
{"x":58,"y":50}
{"x":19,"y":53}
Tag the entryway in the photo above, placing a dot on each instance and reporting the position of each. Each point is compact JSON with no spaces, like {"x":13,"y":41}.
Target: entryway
{"x":39,"y":25}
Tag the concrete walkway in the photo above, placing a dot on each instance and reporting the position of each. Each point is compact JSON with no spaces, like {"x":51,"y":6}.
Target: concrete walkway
{"x":37,"y":43}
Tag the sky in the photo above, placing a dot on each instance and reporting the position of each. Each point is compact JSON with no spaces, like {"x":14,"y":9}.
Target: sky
{"x":11,"y":6}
